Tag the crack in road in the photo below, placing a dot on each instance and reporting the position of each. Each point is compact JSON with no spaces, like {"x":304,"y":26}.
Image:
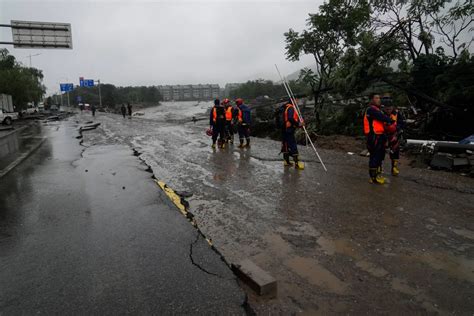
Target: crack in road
{"x":194,"y":263}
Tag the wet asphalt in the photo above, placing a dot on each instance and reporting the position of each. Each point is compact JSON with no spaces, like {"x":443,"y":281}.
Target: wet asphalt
{"x":335,"y":243}
{"x":85,"y":230}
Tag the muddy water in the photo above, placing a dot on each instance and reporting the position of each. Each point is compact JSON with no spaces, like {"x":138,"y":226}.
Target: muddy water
{"x":335,"y":243}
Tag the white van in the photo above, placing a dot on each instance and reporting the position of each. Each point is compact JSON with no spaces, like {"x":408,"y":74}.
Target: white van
{"x":7,"y":118}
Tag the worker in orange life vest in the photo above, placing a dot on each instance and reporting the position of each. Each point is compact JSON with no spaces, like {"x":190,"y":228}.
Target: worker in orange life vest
{"x":229,"y":126}
{"x":291,"y":121}
{"x":394,"y":132}
{"x":243,"y":116}
{"x":374,"y":129}
{"x":217,"y":123}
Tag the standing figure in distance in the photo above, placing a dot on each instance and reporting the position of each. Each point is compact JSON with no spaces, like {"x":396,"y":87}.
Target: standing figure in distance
{"x":394,"y":132}
{"x":291,"y":121}
{"x":217,"y":123}
{"x":375,"y":122}
{"x":123,"y":109}
{"x":129,"y":107}
{"x":243,"y":115}
{"x":229,"y":126}
{"x":93,"y":108}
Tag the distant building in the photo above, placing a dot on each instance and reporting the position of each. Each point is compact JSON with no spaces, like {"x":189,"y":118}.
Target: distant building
{"x":197,"y":92}
{"x":229,"y":87}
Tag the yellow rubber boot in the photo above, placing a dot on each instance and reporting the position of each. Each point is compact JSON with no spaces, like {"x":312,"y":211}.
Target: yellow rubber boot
{"x":287,"y":163}
{"x":299,"y":165}
{"x":395,"y":170}
{"x":375,"y":177}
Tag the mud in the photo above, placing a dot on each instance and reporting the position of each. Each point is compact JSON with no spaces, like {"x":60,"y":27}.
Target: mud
{"x":335,"y":243}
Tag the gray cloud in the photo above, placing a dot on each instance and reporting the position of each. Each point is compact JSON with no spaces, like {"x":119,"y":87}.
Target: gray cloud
{"x":163,"y":42}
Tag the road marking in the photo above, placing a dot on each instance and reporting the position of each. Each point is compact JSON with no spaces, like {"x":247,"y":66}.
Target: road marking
{"x":176,"y":199}
{"x":21,"y":158}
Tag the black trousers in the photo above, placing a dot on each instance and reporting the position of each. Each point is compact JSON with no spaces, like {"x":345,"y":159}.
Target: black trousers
{"x":218,"y":131}
{"x":376,"y":146}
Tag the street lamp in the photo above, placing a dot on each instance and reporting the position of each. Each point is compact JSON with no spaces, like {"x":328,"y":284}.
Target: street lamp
{"x":30,"y":55}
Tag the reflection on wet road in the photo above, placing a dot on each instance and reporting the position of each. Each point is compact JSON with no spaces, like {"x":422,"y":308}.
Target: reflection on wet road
{"x":335,"y":243}
{"x":85,"y":230}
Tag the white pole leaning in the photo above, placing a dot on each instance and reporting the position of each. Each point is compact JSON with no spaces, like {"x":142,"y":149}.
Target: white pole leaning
{"x":293,"y":101}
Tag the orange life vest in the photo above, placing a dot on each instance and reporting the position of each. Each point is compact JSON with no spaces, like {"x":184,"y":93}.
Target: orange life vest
{"x":228,"y":113}
{"x":377,"y":126}
{"x":239,"y":114}
{"x":394,"y":116}
{"x":296,"y":118}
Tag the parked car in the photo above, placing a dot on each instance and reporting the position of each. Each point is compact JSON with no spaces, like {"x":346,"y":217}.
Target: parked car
{"x":7,"y":118}
{"x":30,"y":109}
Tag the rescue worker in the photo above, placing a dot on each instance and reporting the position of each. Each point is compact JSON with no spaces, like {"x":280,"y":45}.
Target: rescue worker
{"x":217,"y":123}
{"x":291,"y":121}
{"x":93,"y":109}
{"x":374,"y":129}
{"x":243,"y":114}
{"x":123,"y":110}
{"x":129,"y":107}
{"x":229,"y":126}
{"x":394,"y":132}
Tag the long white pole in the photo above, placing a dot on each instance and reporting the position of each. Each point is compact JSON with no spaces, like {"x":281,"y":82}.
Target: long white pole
{"x":293,"y":101}
{"x":292,"y":97}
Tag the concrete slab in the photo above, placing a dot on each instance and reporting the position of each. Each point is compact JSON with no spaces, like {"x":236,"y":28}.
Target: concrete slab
{"x":256,"y":278}
{"x":442,"y":161}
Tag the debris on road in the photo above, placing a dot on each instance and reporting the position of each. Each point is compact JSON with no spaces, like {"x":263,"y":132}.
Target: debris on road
{"x":89,"y":127}
{"x":256,"y":278}
{"x":442,"y":155}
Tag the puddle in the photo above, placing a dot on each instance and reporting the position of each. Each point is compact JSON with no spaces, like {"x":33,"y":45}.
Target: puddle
{"x":346,"y":248}
{"x":277,"y":245}
{"x":456,"y":267}
{"x":401,"y":286}
{"x":310,"y":270}
{"x":333,"y":246}
{"x":371,"y":268}
{"x":299,"y":229}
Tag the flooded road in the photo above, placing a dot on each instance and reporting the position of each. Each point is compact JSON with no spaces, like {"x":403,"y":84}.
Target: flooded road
{"x":335,"y":243}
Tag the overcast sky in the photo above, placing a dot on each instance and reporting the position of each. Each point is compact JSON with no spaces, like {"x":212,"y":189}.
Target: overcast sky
{"x":163,"y":42}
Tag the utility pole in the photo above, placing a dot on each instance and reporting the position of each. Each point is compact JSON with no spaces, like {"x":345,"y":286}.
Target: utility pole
{"x":100,"y":95}
{"x":68,"y":103}
{"x":62,"y":104}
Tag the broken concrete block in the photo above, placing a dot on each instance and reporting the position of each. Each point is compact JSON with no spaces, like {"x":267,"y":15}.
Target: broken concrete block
{"x":89,"y":127}
{"x":460,"y":162}
{"x":442,"y":161}
{"x":256,"y":278}
{"x":364,"y":153}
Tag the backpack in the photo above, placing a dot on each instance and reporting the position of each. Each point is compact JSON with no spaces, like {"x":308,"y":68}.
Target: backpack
{"x":280,"y":116}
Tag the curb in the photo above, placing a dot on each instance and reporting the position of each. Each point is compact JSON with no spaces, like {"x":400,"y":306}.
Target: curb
{"x":178,"y":202}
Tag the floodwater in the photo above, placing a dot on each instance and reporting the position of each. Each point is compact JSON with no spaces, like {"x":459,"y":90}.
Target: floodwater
{"x":334,"y":242}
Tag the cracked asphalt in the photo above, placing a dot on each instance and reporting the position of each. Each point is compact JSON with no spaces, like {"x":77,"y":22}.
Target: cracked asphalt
{"x":335,"y":243}
{"x":85,"y":230}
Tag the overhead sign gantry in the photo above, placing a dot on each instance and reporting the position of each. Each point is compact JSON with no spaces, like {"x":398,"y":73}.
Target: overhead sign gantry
{"x":31,"y":34}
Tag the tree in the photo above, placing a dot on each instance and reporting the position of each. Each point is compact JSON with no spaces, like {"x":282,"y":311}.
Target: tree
{"x":330,"y":33}
{"x":412,"y":47}
{"x":24,"y":84}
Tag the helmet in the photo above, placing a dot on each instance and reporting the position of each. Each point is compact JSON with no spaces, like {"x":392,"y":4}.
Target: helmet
{"x":209,"y":132}
{"x":225,"y":101}
{"x":239,"y":101}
